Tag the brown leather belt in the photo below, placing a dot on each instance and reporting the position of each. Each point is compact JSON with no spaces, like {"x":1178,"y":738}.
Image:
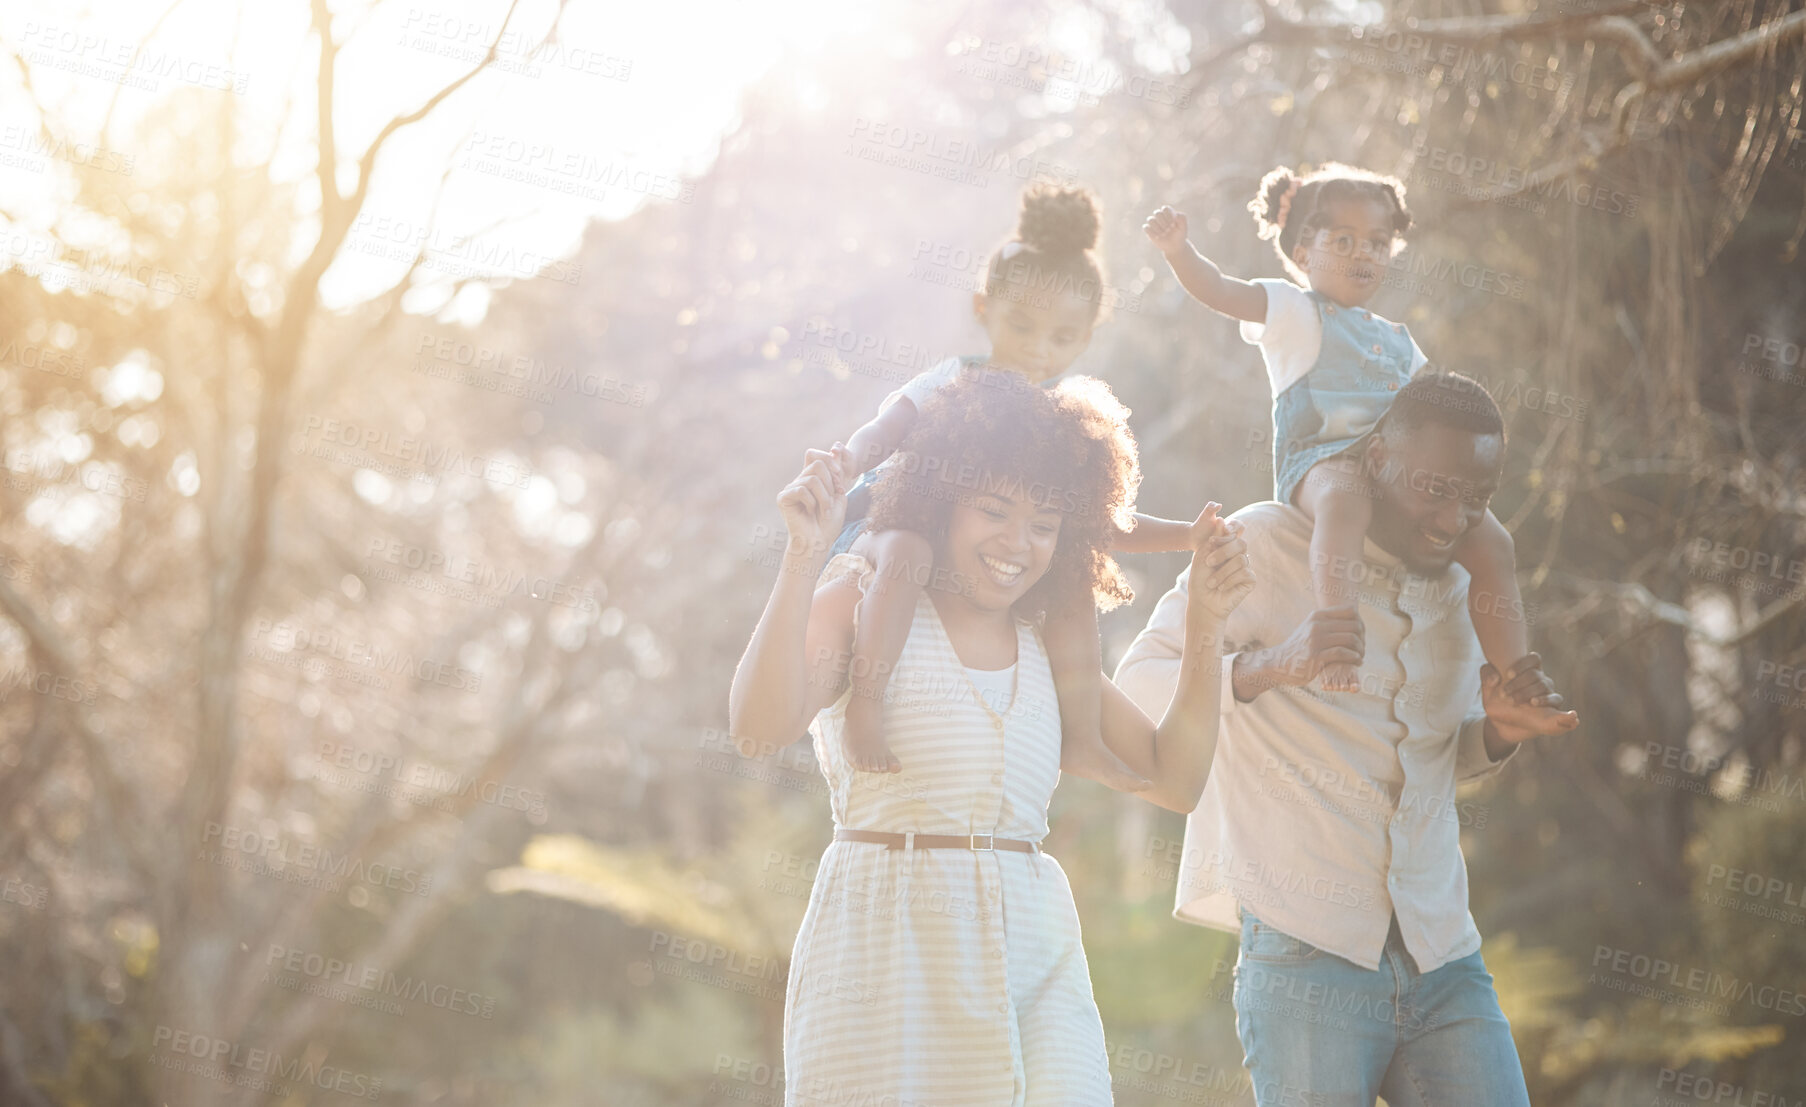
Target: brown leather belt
{"x":979,"y":842}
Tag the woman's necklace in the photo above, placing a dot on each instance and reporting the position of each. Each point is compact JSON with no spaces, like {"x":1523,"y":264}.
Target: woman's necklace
{"x":1015,"y":670}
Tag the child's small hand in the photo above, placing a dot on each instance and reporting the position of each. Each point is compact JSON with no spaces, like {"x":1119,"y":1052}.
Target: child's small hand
{"x":843,"y":464}
{"x":1167,"y":229}
{"x":814,"y":505}
{"x":1209,"y":524}
{"x":1221,"y":575}
{"x":1522,"y":703}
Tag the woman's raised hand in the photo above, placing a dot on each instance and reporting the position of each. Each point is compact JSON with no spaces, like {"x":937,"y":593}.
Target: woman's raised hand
{"x":1221,"y":576}
{"x":814,"y":505}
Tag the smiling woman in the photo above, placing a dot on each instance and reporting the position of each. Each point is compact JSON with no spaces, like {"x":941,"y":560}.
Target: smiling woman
{"x":940,"y":958}
{"x":1063,"y":457}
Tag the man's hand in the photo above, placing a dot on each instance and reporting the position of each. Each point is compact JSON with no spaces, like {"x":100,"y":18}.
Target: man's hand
{"x":1325,"y":637}
{"x":1167,"y":229}
{"x":1521,"y":705}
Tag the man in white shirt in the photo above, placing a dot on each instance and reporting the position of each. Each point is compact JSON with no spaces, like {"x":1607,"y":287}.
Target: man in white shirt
{"x":1328,"y":833}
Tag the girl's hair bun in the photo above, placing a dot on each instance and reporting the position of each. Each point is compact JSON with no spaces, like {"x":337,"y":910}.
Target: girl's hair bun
{"x":1266,"y":202}
{"x":1058,"y":221}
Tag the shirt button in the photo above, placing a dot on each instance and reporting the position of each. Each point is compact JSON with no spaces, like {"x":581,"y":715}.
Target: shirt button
{"x":996,"y":953}
{"x":1003,"y":1008}
{"x":996,"y":778}
{"x":1376,"y":347}
{"x":1331,"y":308}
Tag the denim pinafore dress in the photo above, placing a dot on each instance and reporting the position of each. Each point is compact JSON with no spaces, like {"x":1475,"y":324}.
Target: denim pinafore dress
{"x":1331,"y":410}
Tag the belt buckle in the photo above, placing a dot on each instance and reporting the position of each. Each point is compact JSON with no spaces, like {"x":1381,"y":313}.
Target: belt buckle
{"x":988,"y":847}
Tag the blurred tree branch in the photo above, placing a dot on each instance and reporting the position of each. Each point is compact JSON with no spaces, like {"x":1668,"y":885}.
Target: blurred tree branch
{"x":1651,"y":72}
{"x":280,"y":349}
{"x":1278,"y":31}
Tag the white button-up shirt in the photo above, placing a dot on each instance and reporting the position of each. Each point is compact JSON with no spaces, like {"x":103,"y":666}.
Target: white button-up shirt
{"x":1326,"y":813}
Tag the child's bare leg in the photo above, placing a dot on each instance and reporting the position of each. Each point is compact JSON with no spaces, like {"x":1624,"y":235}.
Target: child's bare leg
{"x":1493,"y":601}
{"x":1076,"y":657}
{"x":1336,"y":495}
{"x":899,"y":559}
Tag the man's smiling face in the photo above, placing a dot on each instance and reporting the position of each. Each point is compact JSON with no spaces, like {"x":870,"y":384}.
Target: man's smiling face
{"x":1433,"y":486}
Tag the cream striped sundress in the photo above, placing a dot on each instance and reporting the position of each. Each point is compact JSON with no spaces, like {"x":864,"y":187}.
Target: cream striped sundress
{"x":925,"y":978}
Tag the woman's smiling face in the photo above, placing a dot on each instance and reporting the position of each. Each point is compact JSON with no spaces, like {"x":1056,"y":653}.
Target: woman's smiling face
{"x":1003,"y":542}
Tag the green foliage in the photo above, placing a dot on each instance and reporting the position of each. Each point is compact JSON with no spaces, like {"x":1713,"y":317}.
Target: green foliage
{"x":720,"y":896}
{"x":667,"y":1051}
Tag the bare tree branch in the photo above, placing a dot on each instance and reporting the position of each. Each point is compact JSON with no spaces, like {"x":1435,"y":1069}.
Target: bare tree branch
{"x":1653,"y":609}
{"x":521,"y":728}
{"x":389,"y":310}
{"x":47,"y":642}
{"x":206,"y":791}
{"x":43,"y":637}
{"x":1696,"y":65}
{"x":18,"y":1071}
{"x":1468,"y":30}
{"x":1652,"y":73}
{"x":338,"y":211}
{"x":325,"y":88}
{"x":106,"y":123}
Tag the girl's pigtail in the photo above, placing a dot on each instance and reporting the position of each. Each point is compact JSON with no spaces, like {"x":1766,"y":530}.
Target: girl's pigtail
{"x":1401,"y":215}
{"x":1265,"y":204}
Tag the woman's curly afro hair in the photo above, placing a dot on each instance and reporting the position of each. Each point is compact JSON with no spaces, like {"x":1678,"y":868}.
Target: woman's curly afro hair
{"x":1068,"y":447}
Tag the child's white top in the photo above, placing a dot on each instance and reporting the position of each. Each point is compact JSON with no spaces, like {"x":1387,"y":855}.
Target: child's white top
{"x":924,"y":384}
{"x":1292,"y":336}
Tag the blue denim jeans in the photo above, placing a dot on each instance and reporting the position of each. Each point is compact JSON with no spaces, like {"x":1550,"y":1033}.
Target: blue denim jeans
{"x":1319,"y":1031}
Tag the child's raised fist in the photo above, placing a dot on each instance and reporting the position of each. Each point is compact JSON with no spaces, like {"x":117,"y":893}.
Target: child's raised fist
{"x":1167,"y":229}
